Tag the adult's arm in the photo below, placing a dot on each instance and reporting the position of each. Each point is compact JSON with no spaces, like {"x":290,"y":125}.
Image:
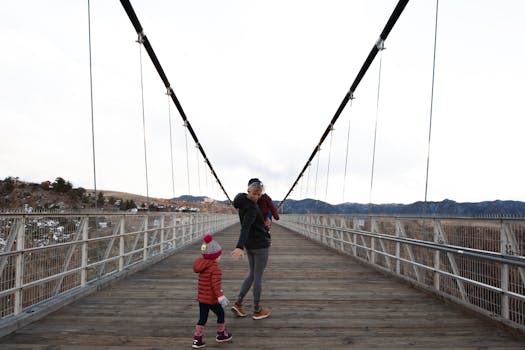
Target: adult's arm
{"x":247,"y":222}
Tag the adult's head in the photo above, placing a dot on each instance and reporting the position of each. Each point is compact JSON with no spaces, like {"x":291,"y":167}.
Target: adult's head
{"x":251,"y":181}
{"x":255,"y":190}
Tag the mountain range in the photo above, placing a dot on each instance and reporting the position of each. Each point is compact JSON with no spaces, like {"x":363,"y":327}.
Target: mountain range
{"x":447,"y":207}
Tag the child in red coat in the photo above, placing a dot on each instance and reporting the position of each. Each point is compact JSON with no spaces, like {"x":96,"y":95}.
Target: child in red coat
{"x":266,"y":206}
{"x":210,"y":294}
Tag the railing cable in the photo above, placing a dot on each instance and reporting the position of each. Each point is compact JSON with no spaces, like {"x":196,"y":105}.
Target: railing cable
{"x":349,"y":95}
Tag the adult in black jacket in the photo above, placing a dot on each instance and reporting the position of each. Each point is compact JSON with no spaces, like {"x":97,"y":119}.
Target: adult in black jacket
{"x":256,"y":240}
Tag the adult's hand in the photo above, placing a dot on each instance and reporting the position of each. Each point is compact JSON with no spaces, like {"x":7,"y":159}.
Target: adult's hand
{"x":237,"y":254}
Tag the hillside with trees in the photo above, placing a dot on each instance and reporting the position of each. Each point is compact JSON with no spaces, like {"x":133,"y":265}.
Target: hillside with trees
{"x":61,"y":195}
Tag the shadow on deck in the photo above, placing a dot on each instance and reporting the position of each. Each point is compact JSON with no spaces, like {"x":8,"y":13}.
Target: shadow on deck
{"x":319,"y":300}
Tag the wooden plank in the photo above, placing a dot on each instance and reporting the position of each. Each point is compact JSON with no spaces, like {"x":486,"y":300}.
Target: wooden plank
{"x":319,"y":299}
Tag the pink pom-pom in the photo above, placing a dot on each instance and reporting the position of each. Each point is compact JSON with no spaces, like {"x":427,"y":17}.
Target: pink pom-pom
{"x":208,"y":238}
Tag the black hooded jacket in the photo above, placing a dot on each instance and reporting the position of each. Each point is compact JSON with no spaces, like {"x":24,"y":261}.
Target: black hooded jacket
{"x":253,"y":232}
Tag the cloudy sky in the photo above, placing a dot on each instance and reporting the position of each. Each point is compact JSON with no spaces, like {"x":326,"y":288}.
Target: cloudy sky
{"x":259,"y":82}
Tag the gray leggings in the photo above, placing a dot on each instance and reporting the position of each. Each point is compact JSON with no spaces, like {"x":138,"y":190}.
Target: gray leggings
{"x":257,"y":258}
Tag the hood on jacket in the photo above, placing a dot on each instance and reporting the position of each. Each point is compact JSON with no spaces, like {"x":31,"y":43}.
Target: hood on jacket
{"x":241,"y":200}
{"x":202,"y":264}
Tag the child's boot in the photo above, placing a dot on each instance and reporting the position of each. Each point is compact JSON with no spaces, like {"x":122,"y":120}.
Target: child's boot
{"x":198,"y":341}
{"x":223,"y":334}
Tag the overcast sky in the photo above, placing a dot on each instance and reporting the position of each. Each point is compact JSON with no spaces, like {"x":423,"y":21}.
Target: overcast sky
{"x":259,"y":82}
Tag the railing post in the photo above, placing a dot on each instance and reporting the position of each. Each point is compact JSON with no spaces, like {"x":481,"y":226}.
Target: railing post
{"x":374,"y":229}
{"x":504,"y":274}
{"x":173,"y":230}
{"x":19,"y":263}
{"x":84,"y":258}
{"x":398,"y":247}
{"x":162,"y":234}
{"x":436,"y":257}
{"x":191,"y":222}
{"x":354,"y":236}
{"x":145,"y":252}
{"x":121,"y":246}
{"x":341,"y":233}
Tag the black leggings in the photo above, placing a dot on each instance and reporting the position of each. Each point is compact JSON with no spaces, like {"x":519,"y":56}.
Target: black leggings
{"x":204,"y":310}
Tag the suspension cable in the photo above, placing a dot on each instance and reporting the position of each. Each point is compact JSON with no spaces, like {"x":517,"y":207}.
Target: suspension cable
{"x":147,"y":45}
{"x":349,"y":95}
{"x":317,"y":170}
{"x":346,"y":155}
{"x":308,"y":181}
{"x":92,"y":113}
{"x":301,"y":195}
{"x":431,"y":99}
{"x":187,"y":157}
{"x":206,"y":178}
{"x":198,"y":171}
{"x":171,"y":148}
{"x":140,"y":41}
{"x":375,"y":128}
{"x":328,"y":167}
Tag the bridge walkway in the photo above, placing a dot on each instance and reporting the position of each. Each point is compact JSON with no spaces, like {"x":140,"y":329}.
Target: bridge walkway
{"x":320,"y":300}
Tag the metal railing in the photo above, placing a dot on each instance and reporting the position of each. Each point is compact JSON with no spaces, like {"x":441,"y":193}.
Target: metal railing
{"x":478,"y":263}
{"x":46,"y":257}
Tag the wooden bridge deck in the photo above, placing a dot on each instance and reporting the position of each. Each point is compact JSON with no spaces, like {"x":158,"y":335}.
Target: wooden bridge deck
{"x":320,"y":300}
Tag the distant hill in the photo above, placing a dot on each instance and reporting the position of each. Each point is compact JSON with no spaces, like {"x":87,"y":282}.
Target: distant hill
{"x":189,"y":198}
{"x":60,"y":195}
{"x":447,"y":207}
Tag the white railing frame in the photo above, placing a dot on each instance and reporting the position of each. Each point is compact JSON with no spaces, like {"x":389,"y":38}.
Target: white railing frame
{"x":158,"y":242}
{"x":352,"y":239}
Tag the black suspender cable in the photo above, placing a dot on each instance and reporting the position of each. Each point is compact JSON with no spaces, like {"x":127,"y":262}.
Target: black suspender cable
{"x":140,"y":31}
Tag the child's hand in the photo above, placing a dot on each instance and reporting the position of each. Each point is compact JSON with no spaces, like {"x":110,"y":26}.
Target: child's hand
{"x":223,"y":301}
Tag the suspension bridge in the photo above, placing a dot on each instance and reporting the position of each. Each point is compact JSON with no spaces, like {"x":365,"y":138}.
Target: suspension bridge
{"x":356,"y":281}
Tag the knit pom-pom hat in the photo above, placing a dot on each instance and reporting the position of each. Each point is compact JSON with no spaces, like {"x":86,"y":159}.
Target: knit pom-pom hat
{"x":210,"y":249}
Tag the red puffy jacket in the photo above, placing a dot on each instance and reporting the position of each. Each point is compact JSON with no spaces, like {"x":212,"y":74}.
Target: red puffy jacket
{"x":210,"y":279}
{"x":265,"y":203}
